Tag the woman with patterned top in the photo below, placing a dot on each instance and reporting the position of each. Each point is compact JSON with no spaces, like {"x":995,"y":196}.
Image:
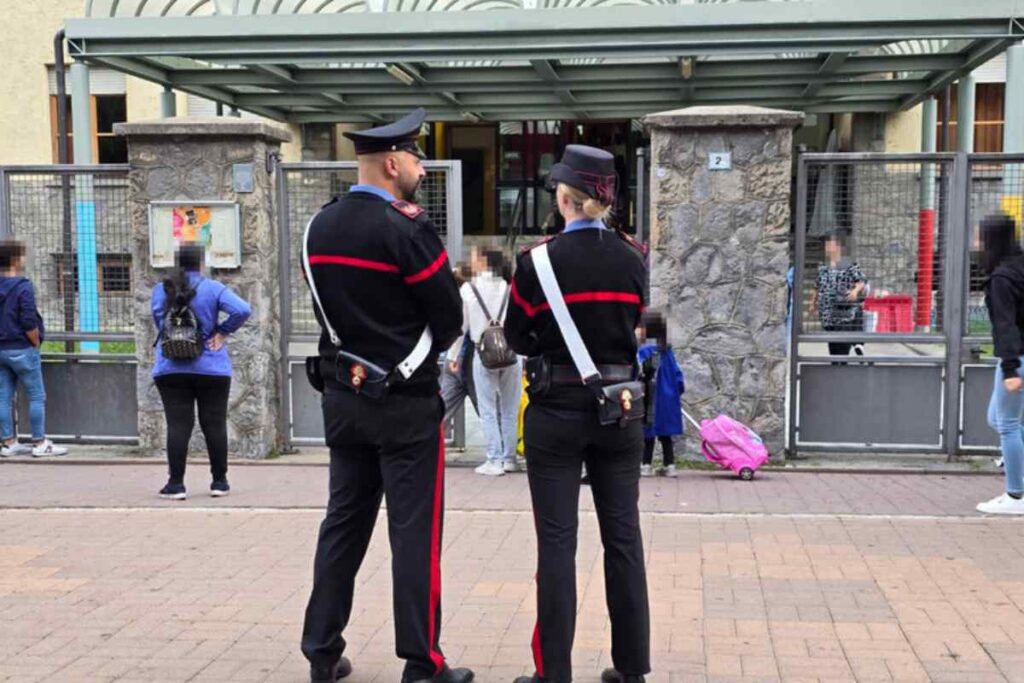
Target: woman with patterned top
{"x":839,"y":294}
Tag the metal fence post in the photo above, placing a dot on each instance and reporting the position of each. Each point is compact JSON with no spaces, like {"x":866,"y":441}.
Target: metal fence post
{"x":641,"y":203}
{"x":453,"y":200}
{"x":796,"y":319}
{"x":955,"y":289}
{"x":5,"y":222}
{"x":284,"y":258}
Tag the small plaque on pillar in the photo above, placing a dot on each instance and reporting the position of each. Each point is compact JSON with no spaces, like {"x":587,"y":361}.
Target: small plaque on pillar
{"x":214,"y":224}
{"x":720,"y":161}
{"x":242,"y":179}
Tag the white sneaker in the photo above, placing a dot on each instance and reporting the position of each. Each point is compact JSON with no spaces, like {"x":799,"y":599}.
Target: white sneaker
{"x":1002,"y":505}
{"x":490,"y":469}
{"x":510,"y":466}
{"x":47,"y":447}
{"x":669,"y":471}
{"x":15,"y":449}
{"x":646,"y":471}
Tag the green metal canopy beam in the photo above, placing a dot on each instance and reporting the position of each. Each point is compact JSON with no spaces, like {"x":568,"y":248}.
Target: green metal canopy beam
{"x":976,"y":56}
{"x":829,"y":65}
{"x":331,"y":66}
{"x":764,"y":27}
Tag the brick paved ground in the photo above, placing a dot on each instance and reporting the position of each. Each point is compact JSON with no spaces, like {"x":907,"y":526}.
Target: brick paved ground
{"x":132,"y":593}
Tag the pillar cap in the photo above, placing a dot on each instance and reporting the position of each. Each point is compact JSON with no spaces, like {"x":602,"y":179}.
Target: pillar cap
{"x":739,"y":116}
{"x":195,"y":126}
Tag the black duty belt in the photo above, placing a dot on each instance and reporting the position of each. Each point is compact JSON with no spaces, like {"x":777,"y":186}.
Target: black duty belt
{"x":610,"y":374}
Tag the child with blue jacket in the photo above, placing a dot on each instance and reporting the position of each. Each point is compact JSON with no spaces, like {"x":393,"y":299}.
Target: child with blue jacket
{"x":665,"y":386}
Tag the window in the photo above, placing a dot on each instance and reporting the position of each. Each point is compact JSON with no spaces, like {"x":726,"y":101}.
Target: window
{"x":114,"y":273}
{"x":988,"y":118}
{"x":107,"y":110}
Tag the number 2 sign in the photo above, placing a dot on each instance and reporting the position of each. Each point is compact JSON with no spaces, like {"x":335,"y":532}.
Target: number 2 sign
{"x":719,"y":161}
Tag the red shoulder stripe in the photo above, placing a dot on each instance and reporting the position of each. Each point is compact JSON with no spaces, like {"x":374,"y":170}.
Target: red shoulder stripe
{"x":576,"y":298}
{"x":333,"y":260}
{"x":428,"y":271}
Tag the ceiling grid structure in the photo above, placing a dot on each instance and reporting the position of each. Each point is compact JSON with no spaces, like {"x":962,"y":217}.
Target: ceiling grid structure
{"x":308,"y":61}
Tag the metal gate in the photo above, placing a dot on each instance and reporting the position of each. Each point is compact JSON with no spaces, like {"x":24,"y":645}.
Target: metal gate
{"x":302,"y":189}
{"x":76,"y":224}
{"x":907,"y":367}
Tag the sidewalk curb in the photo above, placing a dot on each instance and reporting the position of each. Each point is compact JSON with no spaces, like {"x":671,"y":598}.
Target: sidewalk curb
{"x":282,"y":462}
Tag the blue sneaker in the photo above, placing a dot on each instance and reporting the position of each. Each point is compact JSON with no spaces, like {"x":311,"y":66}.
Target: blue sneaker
{"x":220,"y":488}
{"x":173,"y":492}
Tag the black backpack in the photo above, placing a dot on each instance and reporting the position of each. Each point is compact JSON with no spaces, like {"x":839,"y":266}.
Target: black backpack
{"x":493,"y":349}
{"x":181,"y":338}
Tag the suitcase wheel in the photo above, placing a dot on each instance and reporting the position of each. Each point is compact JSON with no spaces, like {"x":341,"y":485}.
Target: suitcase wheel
{"x":746,"y":474}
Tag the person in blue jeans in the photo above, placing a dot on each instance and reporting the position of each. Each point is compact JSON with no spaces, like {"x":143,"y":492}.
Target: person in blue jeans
{"x":205,"y":381}
{"x":21,"y":335}
{"x":1003,"y":263}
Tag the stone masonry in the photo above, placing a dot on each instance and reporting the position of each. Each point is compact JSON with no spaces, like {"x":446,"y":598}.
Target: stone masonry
{"x":191,"y":160}
{"x":720,"y":252}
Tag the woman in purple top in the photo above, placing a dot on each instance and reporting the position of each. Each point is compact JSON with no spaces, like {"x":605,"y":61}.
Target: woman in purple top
{"x":204,"y":381}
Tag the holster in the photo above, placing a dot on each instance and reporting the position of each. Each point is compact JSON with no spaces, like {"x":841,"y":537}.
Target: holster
{"x":619,"y":403}
{"x":538,"y":375}
{"x":355,"y":372}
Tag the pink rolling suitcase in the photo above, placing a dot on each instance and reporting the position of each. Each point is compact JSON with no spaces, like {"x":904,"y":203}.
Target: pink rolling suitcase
{"x":730,"y":445}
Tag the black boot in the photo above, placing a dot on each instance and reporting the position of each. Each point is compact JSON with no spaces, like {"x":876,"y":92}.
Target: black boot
{"x":330,"y":674}
{"x":447,"y":675}
{"x":613,"y":676}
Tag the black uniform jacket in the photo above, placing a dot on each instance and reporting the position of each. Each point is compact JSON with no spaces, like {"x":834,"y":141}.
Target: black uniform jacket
{"x":602,"y":275}
{"x":382,"y":274}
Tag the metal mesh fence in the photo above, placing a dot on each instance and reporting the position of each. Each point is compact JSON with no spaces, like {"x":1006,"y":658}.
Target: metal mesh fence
{"x":996,"y":189}
{"x":874,"y":246}
{"x":307,"y":188}
{"x":76,"y":226}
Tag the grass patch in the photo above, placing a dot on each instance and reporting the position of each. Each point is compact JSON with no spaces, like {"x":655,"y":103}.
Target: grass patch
{"x":112,"y":347}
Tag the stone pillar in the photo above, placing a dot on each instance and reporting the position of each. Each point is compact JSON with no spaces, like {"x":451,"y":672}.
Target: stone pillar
{"x":190,"y":160}
{"x":720,"y":252}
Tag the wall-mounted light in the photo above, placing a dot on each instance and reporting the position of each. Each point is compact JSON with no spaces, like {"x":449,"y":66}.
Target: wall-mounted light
{"x":686,"y":67}
{"x":400,"y":74}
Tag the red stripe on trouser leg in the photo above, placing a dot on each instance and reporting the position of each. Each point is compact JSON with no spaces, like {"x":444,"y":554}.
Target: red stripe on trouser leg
{"x":435,"y":559}
{"x":538,"y":655}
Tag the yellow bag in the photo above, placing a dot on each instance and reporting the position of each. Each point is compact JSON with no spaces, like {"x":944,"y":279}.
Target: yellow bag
{"x":523,"y":402}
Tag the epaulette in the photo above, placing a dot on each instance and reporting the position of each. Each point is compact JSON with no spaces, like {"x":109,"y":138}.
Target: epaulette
{"x":333,"y":200}
{"x":642,"y":248}
{"x":408,"y":209}
{"x":534,"y":245}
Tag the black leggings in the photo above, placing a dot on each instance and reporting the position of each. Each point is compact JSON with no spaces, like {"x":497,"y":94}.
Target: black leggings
{"x":667,"y":456}
{"x":180,"y":394}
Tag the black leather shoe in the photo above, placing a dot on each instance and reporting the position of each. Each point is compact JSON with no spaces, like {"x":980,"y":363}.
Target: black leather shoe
{"x":447,"y":675}
{"x":330,"y":674}
{"x":613,"y":676}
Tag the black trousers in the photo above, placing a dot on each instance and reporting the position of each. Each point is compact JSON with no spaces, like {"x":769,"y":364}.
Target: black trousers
{"x":391,"y":449}
{"x":667,"y":454}
{"x":556,"y":447}
{"x":180,"y":394}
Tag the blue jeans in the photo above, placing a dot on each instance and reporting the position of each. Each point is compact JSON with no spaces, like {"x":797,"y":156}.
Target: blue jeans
{"x":497,"y":400}
{"x":22,"y":365}
{"x":1005,"y":412}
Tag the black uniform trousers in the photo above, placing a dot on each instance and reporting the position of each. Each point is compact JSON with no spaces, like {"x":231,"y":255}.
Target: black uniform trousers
{"x":556,"y":447}
{"x":392,"y":449}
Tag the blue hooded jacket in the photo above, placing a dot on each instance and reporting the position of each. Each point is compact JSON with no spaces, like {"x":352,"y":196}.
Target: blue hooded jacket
{"x":212,"y":298}
{"x":18,"y":313}
{"x":669,"y":386}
